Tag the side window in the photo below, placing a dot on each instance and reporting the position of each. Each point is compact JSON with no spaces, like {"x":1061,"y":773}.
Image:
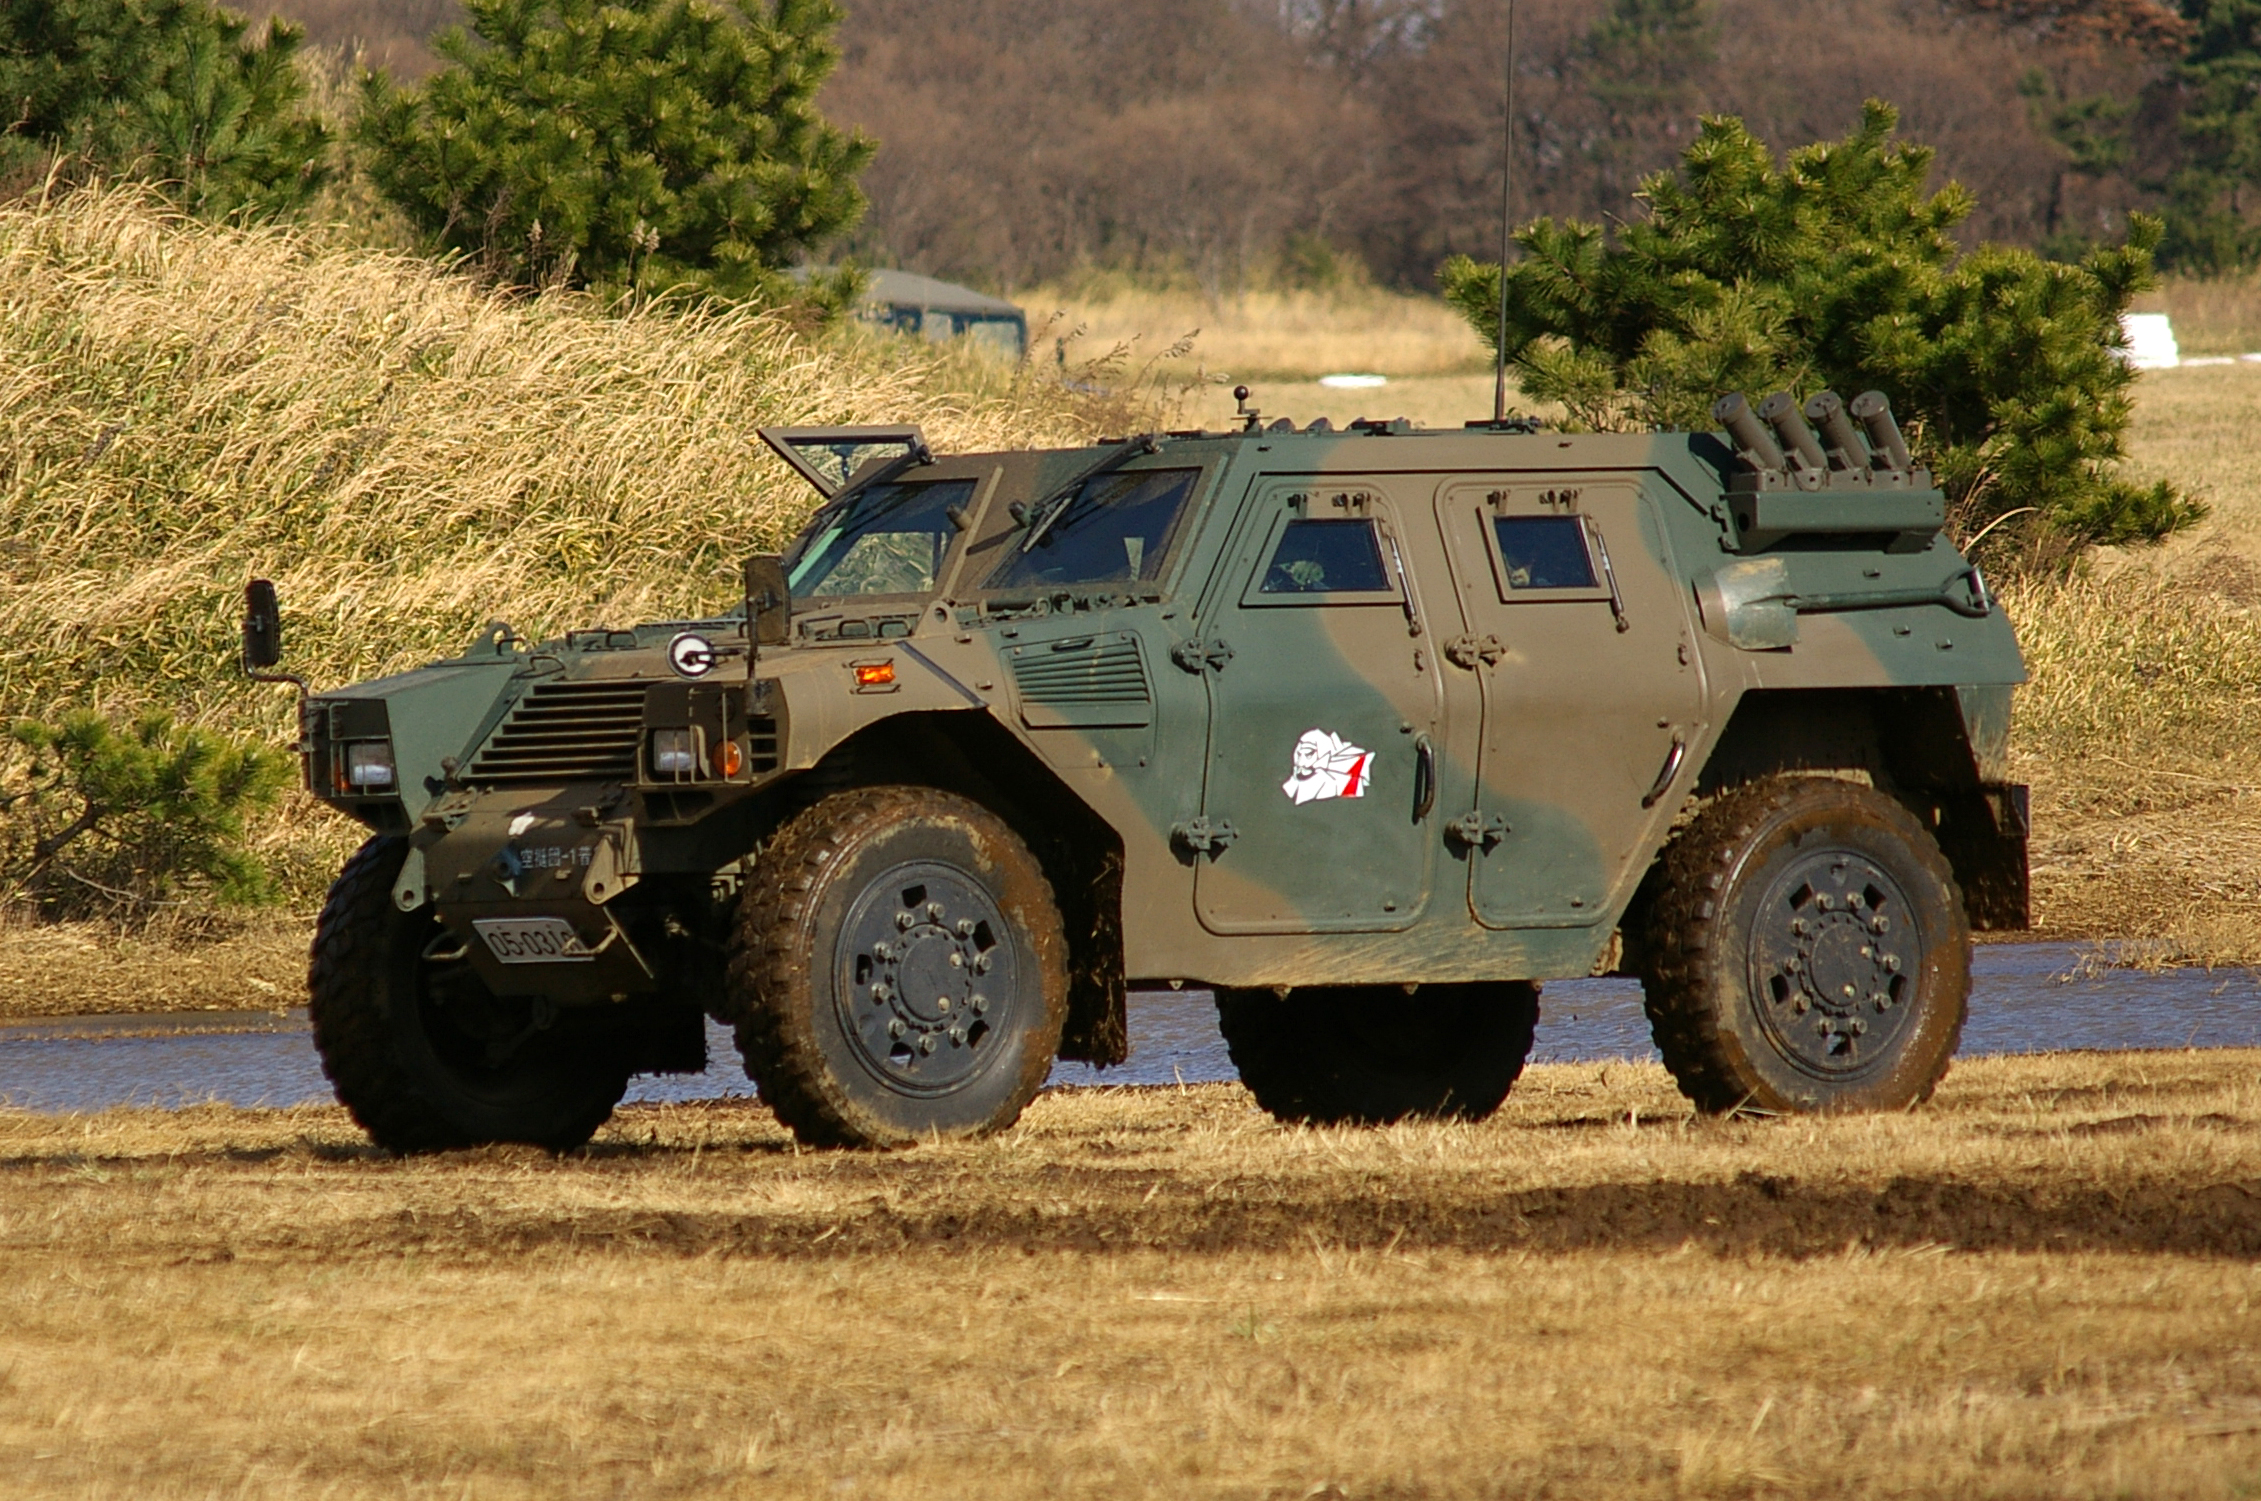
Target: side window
{"x":1117,"y":530}
{"x":1544,"y":552}
{"x":1326,"y":557}
{"x":1324,"y":560}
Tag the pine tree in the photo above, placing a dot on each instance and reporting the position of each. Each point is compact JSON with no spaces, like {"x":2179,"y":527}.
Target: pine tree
{"x":1838,"y":270}
{"x":2209,"y":196}
{"x":653,"y":145}
{"x":168,"y":90}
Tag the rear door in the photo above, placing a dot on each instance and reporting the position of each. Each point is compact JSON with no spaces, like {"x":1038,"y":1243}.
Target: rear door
{"x":1575,"y":624}
{"x":1323,"y":711}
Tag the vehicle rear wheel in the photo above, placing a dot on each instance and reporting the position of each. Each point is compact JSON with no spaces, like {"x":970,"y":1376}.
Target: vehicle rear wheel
{"x":421,"y":1052}
{"x":1807,"y":951}
{"x":1372,"y":1054}
{"x":898,"y":971}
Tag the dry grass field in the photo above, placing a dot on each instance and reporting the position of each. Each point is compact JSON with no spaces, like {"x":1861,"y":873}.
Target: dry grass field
{"x":2043,"y":1285}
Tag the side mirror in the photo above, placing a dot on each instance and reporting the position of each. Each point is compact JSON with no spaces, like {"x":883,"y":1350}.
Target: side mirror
{"x":262,"y":627}
{"x":769,"y":600}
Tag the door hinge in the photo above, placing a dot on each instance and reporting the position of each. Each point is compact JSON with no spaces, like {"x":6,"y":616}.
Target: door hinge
{"x":1201,"y":837}
{"x":1468,"y":651}
{"x":1477,"y":830}
{"x":1198,"y":655}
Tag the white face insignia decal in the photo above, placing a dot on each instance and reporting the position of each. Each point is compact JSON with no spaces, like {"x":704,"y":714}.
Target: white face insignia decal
{"x":1326,"y":765}
{"x":691,"y":655}
{"x":521,"y":824}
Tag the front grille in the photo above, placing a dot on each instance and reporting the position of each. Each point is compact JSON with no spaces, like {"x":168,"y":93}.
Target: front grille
{"x":1108,"y":672}
{"x":567,"y":732}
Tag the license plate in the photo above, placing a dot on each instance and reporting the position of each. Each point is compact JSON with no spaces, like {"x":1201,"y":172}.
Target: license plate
{"x":532,"y":940}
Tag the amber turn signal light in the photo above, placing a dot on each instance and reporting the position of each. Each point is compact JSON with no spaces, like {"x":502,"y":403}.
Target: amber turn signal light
{"x":728,"y":759}
{"x":874,"y":674}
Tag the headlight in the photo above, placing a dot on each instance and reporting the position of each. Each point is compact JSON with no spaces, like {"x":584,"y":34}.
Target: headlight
{"x":674,"y":754}
{"x":369,"y":765}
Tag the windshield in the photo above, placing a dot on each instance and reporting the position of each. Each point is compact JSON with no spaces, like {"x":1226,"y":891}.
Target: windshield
{"x":889,"y":539}
{"x":1117,"y":530}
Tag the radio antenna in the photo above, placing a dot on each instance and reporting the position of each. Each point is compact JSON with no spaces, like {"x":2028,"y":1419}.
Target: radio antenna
{"x":1506,"y":222}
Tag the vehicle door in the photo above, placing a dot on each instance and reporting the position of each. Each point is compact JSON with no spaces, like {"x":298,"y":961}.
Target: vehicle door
{"x":1323,"y":716}
{"x":1574,"y":622}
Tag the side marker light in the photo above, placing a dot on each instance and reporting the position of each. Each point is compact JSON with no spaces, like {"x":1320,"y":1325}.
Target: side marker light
{"x":874,"y":674}
{"x":728,"y":759}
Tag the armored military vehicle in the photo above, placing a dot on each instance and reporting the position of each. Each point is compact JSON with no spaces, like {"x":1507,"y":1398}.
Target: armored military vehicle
{"x":1369,"y":731}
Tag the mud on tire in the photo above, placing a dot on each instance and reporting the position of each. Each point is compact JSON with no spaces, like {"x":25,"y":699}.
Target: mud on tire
{"x":426,"y":1060}
{"x":898,"y":969}
{"x":1807,"y":950}
{"x":1371,"y":1054}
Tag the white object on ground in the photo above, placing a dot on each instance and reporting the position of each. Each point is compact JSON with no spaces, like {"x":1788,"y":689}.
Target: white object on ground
{"x":2151,"y":341}
{"x":1352,"y":382}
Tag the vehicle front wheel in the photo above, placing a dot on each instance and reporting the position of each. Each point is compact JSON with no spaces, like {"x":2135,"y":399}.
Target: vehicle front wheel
{"x":1807,"y":951}
{"x":1372,"y":1054}
{"x":421,"y":1052}
{"x":898,"y":970}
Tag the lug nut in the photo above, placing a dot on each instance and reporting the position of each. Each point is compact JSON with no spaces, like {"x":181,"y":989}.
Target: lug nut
{"x":1892,"y":963}
{"x":1801,"y":1005}
{"x":958,"y":1036}
{"x":883,"y":991}
{"x":934,"y":911}
{"x":981,"y":964}
{"x":926,"y":1043}
{"x":980,"y":1003}
{"x":1798,"y":926}
{"x":965,"y":927}
{"x":896,"y":1028}
{"x":1824,"y":904}
{"x":942,"y":1004}
{"x":1880,"y":1000}
{"x":904,"y":919}
{"x":957,"y":961}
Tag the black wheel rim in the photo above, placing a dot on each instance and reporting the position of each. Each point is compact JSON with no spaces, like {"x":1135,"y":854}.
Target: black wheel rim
{"x":926,"y":979}
{"x":1835,"y":958}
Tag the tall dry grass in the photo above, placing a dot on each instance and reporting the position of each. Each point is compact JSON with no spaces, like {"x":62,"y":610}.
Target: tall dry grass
{"x":406,"y":454}
{"x":1276,"y":334}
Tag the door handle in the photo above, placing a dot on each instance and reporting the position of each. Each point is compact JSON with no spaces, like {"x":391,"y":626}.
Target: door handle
{"x":1666,"y":772}
{"x":1424,"y":777}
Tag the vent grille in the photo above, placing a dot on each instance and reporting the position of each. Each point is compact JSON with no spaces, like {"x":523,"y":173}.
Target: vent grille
{"x":761,"y":744}
{"x":1109,"y":672}
{"x":567,"y":732}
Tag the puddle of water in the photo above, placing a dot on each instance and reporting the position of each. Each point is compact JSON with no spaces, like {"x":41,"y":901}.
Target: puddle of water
{"x":2021,"y":1002}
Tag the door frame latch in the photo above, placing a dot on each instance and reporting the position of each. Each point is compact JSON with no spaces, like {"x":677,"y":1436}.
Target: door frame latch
{"x":1471,"y":651}
{"x":1477,"y":830}
{"x":1199,"y":836}
{"x":1198,"y":655}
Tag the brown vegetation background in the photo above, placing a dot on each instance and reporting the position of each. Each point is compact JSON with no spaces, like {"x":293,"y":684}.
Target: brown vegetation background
{"x":1231,"y":141}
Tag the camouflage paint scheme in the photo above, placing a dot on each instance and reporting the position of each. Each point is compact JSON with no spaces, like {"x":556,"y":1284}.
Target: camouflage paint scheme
{"x":1553,"y":733}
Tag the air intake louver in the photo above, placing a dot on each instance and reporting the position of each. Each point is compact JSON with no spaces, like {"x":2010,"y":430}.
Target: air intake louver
{"x":1083,"y":682}
{"x":567,"y":732}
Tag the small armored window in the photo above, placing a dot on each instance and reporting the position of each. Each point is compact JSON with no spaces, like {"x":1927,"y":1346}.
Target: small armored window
{"x":1544,"y":552}
{"x":1326,"y":557}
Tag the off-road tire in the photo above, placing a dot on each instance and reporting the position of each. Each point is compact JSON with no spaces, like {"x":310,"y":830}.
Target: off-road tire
{"x":1372,"y":1054}
{"x":378,"y":1049}
{"x":801,"y":987}
{"x":1741,"y":1026}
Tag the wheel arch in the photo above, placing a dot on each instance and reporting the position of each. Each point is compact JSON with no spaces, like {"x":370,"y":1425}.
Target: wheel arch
{"x":976,"y":757}
{"x":1941,"y":752}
